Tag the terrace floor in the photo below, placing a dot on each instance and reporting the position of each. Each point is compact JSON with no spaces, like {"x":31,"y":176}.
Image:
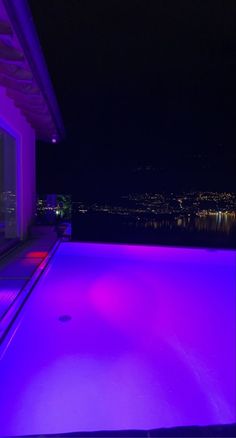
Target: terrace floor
{"x":123,"y":337}
{"x":20,"y":263}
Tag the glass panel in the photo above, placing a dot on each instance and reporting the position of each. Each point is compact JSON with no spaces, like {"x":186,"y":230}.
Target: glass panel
{"x":1,"y":188}
{"x":8,"y":212}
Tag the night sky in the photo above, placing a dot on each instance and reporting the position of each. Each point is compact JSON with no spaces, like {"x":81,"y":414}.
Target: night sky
{"x":147,"y":91}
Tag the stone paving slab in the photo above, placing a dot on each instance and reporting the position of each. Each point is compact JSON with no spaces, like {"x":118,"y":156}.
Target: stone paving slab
{"x":9,"y":290}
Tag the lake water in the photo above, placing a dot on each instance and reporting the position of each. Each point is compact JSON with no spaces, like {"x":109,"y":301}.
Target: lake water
{"x":212,"y":230}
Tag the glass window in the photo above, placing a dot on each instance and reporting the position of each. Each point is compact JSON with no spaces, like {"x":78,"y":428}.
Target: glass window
{"x":8,"y":188}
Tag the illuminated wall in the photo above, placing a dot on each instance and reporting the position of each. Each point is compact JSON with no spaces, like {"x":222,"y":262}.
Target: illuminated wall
{"x":12,"y":120}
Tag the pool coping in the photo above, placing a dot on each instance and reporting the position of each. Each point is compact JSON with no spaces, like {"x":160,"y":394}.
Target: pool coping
{"x":14,"y":309}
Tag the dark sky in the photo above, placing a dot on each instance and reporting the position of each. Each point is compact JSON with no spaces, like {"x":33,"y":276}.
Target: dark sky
{"x":147,"y":91}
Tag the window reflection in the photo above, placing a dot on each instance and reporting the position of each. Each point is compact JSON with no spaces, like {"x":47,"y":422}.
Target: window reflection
{"x":8,"y":213}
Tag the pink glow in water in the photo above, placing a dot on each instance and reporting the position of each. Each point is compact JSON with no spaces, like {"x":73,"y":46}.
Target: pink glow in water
{"x":123,"y":337}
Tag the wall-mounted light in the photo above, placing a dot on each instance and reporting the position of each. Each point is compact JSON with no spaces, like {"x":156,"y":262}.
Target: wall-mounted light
{"x":54,"y":140}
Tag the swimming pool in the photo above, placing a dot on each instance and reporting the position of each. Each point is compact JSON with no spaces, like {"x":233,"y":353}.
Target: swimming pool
{"x":123,"y":337}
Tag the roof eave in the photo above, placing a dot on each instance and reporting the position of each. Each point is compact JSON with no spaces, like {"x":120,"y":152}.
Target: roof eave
{"x":22,"y":22}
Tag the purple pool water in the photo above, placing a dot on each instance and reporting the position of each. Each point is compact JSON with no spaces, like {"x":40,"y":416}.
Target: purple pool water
{"x":123,"y":337}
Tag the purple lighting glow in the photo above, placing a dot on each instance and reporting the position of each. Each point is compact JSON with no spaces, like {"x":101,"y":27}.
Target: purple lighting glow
{"x":123,"y":337}
{"x":54,"y":140}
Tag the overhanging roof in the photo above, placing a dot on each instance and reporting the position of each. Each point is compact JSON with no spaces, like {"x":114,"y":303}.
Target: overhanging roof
{"x":23,"y":71}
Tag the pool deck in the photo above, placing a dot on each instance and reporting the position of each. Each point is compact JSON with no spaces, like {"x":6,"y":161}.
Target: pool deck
{"x":19,"y":265}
